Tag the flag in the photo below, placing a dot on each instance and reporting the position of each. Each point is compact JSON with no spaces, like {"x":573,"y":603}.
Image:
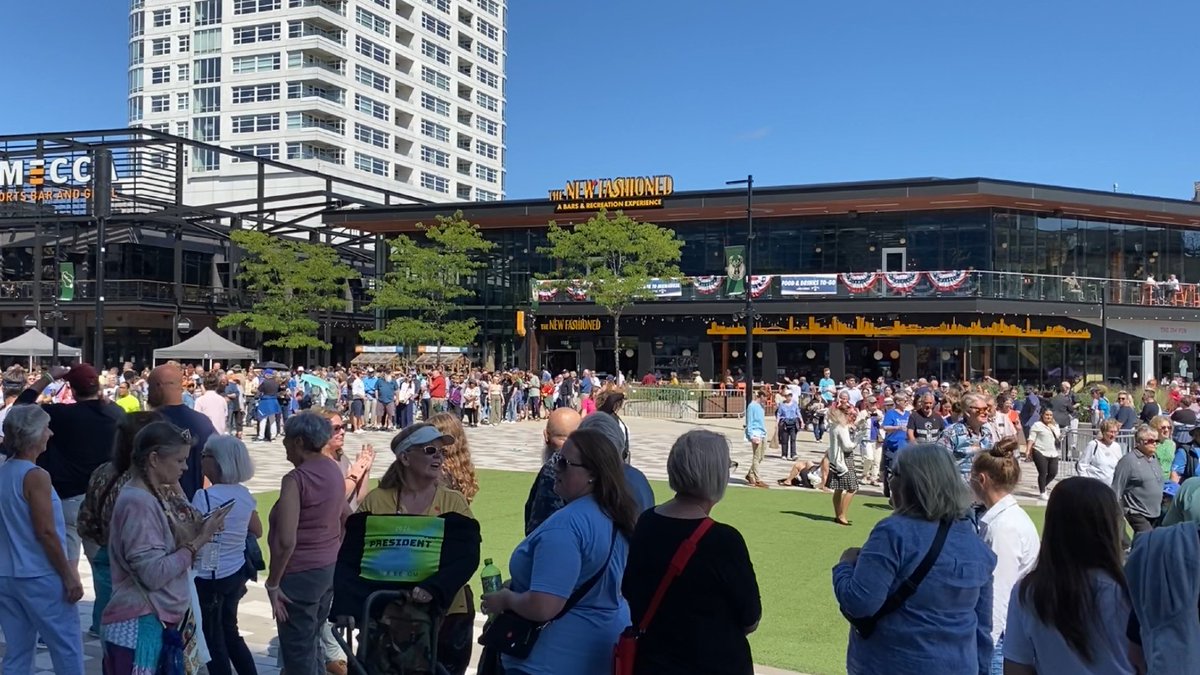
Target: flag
{"x":66,"y":281}
{"x":735,"y":270}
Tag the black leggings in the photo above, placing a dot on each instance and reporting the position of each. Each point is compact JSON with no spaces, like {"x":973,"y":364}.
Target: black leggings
{"x":1047,"y":468}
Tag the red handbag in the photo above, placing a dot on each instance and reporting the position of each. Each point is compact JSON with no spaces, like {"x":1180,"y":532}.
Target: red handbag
{"x":625,"y":652}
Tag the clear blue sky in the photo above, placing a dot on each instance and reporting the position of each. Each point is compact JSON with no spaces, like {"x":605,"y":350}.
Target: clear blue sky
{"x":1072,"y":92}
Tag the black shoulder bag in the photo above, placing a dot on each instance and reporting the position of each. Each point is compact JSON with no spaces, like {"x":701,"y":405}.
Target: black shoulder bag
{"x":864,"y":627}
{"x":512,"y":634}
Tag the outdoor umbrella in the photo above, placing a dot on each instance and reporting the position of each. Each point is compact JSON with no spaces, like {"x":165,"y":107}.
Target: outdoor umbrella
{"x":272,"y":365}
{"x":317,"y":382}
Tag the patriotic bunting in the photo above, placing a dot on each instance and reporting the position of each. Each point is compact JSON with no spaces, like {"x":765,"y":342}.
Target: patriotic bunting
{"x":860,"y":282}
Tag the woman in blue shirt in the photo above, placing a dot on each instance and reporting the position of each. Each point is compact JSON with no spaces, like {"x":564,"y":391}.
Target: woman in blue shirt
{"x":787,"y":415}
{"x":945,"y":626}
{"x":588,"y":536}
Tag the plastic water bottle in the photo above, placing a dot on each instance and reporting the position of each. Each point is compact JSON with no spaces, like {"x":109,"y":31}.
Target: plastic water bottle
{"x":211,"y":555}
{"x":490,"y":577}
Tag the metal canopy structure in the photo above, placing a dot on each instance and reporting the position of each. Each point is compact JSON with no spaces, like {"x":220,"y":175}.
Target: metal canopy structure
{"x":84,"y":190}
{"x":157,"y":179}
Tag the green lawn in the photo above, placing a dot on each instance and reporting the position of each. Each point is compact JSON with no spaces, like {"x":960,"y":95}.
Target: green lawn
{"x":793,"y":543}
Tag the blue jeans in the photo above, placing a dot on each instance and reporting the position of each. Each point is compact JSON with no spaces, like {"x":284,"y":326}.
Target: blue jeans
{"x":37,"y":606}
{"x":998,"y":657}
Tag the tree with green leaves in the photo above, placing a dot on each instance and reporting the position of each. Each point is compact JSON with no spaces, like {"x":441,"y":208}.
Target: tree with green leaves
{"x":616,"y":258}
{"x":291,"y":280}
{"x":426,"y":281}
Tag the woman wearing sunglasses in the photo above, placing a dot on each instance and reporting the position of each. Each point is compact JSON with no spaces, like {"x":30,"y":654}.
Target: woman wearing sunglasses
{"x":585,"y":543}
{"x":413,"y":484}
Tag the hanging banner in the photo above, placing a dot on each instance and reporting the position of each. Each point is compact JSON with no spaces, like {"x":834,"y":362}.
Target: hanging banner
{"x":759,"y":284}
{"x":665,"y":288}
{"x":808,"y":284}
{"x":735,"y":270}
{"x":66,"y":281}
{"x":948,"y":280}
{"x":902,"y":281}
{"x":860,"y":282}
{"x":707,"y":285}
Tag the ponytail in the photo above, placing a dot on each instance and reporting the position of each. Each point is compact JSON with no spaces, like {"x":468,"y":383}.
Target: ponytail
{"x":1000,"y":464}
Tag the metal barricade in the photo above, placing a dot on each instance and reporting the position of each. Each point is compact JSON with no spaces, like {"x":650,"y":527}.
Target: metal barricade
{"x":1075,"y":441}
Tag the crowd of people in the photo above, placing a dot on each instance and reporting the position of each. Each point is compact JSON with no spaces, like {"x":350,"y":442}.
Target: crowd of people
{"x":154,"y":498}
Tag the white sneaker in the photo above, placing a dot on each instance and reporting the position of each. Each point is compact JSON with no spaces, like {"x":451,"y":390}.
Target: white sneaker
{"x":1045,"y":496}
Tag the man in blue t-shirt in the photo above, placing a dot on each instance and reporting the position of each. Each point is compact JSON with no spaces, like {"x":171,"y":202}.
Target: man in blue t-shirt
{"x":827,"y":387}
{"x":370,"y":382}
{"x":385,"y":390}
{"x":895,"y":429}
{"x":585,"y":383}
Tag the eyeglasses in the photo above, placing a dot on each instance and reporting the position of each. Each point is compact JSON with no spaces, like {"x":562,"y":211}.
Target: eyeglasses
{"x":561,"y":463}
{"x":1144,"y":441}
{"x":977,"y":410}
{"x":338,"y":427}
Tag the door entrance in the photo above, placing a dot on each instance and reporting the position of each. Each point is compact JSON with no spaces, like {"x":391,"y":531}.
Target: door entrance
{"x":558,"y":360}
{"x":894,"y":259}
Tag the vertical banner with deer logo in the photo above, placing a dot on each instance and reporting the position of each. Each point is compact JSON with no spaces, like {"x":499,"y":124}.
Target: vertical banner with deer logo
{"x":735,"y":270}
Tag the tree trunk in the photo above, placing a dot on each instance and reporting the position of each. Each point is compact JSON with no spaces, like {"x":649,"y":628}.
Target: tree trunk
{"x":617,"y":346}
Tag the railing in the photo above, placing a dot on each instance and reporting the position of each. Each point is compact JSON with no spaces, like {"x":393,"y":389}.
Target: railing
{"x":925,"y":284}
{"x":684,"y":402}
{"x":140,"y":290}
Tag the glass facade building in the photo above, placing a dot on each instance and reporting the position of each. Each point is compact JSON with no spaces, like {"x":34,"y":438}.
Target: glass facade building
{"x":927,"y":277}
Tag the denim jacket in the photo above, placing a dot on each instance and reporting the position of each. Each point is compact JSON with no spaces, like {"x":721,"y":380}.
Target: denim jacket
{"x":945,"y":627}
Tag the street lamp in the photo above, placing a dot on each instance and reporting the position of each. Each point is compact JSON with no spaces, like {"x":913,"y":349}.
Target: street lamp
{"x":748,"y":313}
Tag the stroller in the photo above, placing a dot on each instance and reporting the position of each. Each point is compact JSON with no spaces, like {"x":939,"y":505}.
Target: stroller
{"x":382,"y":559}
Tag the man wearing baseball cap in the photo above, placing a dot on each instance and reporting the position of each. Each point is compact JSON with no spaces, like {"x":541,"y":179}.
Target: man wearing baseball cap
{"x":82,"y":439}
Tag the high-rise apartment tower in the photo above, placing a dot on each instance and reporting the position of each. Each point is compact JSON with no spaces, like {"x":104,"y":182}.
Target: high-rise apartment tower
{"x":406,"y":95}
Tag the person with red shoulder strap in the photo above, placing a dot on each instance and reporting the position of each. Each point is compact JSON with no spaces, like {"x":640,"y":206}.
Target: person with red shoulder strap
{"x":692,"y":592}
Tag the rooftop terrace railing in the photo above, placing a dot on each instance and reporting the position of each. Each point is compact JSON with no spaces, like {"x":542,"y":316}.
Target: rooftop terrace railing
{"x":923,"y":284}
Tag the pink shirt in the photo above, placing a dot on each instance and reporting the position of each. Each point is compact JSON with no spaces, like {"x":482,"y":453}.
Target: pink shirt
{"x":588,"y":405}
{"x":213,"y":406}
{"x":150,"y":574}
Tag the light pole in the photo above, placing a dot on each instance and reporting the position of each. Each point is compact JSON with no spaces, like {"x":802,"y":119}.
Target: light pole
{"x":748,"y":181}
{"x":1104,"y":332}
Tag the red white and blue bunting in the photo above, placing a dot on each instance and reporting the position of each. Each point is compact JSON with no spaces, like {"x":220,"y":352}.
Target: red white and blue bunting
{"x":546,"y":291}
{"x":759,"y":283}
{"x":902,"y":281}
{"x":708,"y":285}
{"x":860,"y":282}
{"x":578,"y":290}
{"x":948,"y":280}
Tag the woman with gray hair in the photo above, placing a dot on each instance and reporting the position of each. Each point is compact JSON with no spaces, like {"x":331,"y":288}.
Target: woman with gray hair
{"x":305,"y":535}
{"x":702,"y":623}
{"x":919,"y":592}
{"x":221,"y":573}
{"x":38,"y":587}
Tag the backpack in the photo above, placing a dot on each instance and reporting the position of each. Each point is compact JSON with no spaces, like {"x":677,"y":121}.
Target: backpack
{"x":1189,"y":462}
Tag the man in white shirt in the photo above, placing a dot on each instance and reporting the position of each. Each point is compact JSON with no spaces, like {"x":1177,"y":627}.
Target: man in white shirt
{"x":212,"y":404}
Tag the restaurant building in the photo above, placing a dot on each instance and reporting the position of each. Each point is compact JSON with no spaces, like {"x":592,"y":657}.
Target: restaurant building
{"x":949,"y":278}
